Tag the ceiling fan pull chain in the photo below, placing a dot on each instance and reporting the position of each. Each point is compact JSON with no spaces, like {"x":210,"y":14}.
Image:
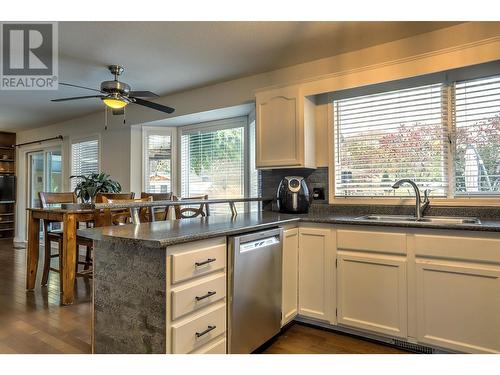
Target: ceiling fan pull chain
{"x":124,"y":115}
{"x":105,"y":118}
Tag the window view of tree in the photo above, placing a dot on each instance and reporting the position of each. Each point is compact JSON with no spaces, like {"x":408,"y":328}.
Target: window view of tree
{"x":213,"y":163}
{"x":159,"y":164}
{"x":384,"y":137}
{"x":477,"y":158}
{"x":407,"y":133}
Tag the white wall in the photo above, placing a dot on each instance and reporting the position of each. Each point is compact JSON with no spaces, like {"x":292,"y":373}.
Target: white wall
{"x":121,"y":158}
{"x":115,"y":154}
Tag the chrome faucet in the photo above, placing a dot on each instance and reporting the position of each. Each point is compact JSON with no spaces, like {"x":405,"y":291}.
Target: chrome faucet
{"x":419,"y":205}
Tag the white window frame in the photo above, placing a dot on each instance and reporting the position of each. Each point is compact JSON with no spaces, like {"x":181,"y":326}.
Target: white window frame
{"x":93,"y":137}
{"x":157,"y":130}
{"x":450,"y":200}
{"x":217,"y":125}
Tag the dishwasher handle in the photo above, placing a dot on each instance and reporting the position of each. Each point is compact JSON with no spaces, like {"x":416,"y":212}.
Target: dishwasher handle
{"x":259,"y":244}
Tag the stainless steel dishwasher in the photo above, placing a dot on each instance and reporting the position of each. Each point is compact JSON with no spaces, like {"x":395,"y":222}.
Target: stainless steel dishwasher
{"x":254,"y":289}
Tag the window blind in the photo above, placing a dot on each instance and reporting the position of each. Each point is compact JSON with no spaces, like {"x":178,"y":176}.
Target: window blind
{"x":158,"y":176}
{"x":383,"y":137}
{"x":254,"y":190}
{"x":84,"y":159}
{"x":213,"y":163}
{"x":476,"y":124}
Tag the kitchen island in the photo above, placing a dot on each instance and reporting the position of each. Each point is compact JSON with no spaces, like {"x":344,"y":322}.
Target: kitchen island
{"x":132,"y":274}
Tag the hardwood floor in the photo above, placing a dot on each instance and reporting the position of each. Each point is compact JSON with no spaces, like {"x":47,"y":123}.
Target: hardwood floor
{"x":35,"y":322}
{"x":303,"y":339}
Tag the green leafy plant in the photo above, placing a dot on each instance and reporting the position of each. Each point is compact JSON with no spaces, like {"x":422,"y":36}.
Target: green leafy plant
{"x":88,"y":186}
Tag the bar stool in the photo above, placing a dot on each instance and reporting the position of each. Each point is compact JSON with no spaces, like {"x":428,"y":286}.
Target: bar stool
{"x":160,"y":213}
{"x":120,"y":216}
{"x":191,"y":212}
{"x":50,"y":235}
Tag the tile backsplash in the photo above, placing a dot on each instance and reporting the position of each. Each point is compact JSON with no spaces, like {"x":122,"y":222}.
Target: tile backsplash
{"x":270,"y":179}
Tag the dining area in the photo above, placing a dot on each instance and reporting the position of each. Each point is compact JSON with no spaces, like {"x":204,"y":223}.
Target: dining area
{"x":53,"y":228}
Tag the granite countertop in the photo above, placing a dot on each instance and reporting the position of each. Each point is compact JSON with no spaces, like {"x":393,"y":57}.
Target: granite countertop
{"x":170,"y":232}
{"x":166,"y":233}
{"x":486,"y":225}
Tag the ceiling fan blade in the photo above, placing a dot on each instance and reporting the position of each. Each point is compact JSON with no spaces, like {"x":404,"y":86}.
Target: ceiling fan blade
{"x":77,"y":86}
{"x":158,"y":107}
{"x":143,"y":94}
{"x":77,"y":97}
{"x":118,"y":111}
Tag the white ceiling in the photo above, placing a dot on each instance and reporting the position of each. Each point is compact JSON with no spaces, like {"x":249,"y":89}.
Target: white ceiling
{"x":168,"y":57}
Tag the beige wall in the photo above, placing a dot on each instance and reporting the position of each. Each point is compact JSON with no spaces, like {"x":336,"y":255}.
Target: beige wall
{"x":459,"y":45}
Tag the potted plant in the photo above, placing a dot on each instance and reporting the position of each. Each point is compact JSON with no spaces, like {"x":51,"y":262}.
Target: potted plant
{"x":88,"y":186}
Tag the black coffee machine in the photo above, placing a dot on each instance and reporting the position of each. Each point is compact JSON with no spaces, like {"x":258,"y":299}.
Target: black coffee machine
{"x":294,"y":196}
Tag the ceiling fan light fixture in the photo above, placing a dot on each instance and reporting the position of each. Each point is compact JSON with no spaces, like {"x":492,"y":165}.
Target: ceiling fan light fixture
{"x":114,"y":103}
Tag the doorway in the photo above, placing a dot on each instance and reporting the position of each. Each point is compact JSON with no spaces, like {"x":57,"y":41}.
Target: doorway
{"x":44,"y":174}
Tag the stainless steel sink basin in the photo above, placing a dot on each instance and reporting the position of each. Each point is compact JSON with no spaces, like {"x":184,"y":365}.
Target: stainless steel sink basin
{"x":443,"y":220}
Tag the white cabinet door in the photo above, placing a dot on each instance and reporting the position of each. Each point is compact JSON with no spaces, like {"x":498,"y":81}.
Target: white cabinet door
{"x":316,"y":273}
{"x":278,"y":132}
{"x":290,"y":275}
{"x":372,"y":292}
{"x":285,"y":129}
{"x":458,"y":305}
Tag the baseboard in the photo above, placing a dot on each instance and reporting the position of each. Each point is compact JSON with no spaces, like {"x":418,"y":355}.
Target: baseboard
{"x":19,"y":243}
{"x":398,"y":343}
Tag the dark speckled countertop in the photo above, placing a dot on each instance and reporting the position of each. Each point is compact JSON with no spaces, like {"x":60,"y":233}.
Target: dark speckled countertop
{"x":486,"y":225}
{"x":171,"y":232}
{"x":166,"y":233}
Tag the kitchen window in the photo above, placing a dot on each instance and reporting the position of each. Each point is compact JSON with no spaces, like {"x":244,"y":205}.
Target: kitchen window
{"x":477,"y":134}
{"x":84,"y":158}
{"x":443,"y":135}
{"x":215,"y":161}
{"x":158,"y":160}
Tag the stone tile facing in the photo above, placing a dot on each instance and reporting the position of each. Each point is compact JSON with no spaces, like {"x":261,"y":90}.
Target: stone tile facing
{"x":317,"y":178}
{"x":129,"y":298}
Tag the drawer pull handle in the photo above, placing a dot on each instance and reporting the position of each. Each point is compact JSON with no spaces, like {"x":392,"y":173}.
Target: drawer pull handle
{"x":209,"y":328}
{"x":209,"y":294}
{"x":209,"y":260}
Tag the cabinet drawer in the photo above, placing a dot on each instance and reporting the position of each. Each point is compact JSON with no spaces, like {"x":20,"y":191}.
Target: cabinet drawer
{"x":458,"y":247}
{"x":198,"y":259}
{"x":376,"y":241}
{"x":216,"y":347}
{"x":198,"y":330}
{"x":198,"y":294}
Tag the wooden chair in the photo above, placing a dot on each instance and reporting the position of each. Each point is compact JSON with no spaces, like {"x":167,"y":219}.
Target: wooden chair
{"x":120,"y":216}
{"x":191,"y":212}
{"x":160,"y":213}
{"x":99,"y":197}
{"x":55,"y":199}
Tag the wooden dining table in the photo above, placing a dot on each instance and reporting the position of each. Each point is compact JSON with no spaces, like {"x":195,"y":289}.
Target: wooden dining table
{"x":70,"y":217}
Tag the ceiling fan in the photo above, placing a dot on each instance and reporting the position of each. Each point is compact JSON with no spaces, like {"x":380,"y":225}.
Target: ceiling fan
{"x":117,"y":95}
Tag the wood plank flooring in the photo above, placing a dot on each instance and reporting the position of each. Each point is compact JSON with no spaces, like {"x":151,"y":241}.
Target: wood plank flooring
{"x":303,"y":339}
{"x":35,"y":322}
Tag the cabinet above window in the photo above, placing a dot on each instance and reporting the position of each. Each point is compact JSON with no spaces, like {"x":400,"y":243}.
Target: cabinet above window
{"x":285,"y":129}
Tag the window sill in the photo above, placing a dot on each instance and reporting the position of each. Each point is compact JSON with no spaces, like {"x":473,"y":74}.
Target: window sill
{"x":462,"y":201}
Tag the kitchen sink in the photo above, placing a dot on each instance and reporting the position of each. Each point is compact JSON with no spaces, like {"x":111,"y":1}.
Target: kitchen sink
{"x":443,"y":220}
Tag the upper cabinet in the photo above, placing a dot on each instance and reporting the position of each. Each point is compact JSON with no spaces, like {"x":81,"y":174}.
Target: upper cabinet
{"x":285,"y":136}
